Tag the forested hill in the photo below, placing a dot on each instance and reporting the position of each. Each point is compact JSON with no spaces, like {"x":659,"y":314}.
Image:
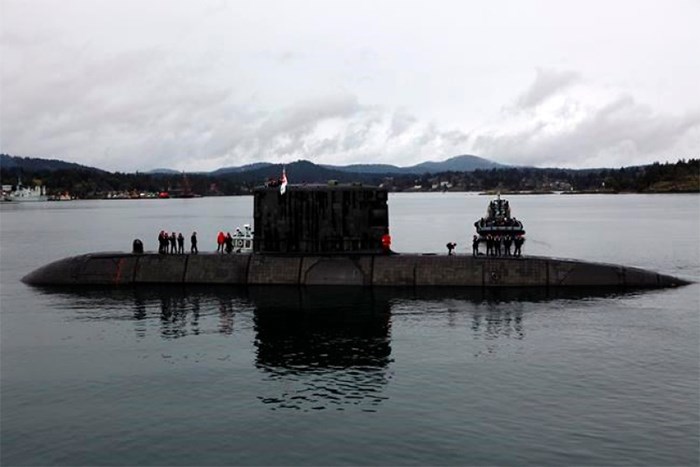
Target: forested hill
{"x":679,"y":177}
{"x":35,"y":164}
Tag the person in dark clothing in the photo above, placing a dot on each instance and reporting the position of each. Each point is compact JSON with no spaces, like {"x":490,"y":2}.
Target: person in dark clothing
{"x":160,"y":242}
{"x":450,"y":246}
{"x":165,"y":240}
{"x":497,"y":245}
{"x":173,"y":243}
{"x":180,"y":244}
{"x":193,"y":243}
{"x":519,"y":240}
{"x":507,"y":241}
{"x":229,"y":242}
{"x":489,"y":245}
{"x":137,"y":246}
{"x":475,"y":245}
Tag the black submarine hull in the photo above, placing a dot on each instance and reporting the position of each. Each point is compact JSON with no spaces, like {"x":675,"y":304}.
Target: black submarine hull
{"x":402,"y":270}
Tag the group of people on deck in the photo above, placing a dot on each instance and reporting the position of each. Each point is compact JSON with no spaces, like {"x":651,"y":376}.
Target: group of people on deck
{"x":499,"y":245}
{"x":175,"y":243}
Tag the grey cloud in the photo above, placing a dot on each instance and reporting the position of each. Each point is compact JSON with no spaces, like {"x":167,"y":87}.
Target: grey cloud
{"x":307,"y":114}
{"x":546,"y":84}
{"x":139,"y":112}
{"x":37,"y":38}
{"x":292,"y":133}
{"x":400,"y":122}
{"x":324,"y":146}
{"x":621,"y":130}
{"x":455,"y":137}
{"x":114,"y":110}
{"x":288,"y":56}
{"x":428,"y":135}
{"x":139,"y":109}
{"x":358,"y":134}
{"x":195,"y":85}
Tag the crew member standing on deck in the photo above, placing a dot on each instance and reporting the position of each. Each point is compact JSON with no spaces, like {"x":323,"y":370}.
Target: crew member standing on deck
{"x":228,"y":241}
{"x":160,"y":242}
{"x":518,"y":242}
{"x":180,"y":244}
{"x":475,"y":245}
{"x":507,"y":241}
{"x":193,"y":243}
{"x":220,"y":242}
{"x":386,"y":242}
{"x":173,"y":243}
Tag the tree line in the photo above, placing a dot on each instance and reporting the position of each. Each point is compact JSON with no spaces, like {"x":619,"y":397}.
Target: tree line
{"x":681,"y":176}
{"x":84,"y":182}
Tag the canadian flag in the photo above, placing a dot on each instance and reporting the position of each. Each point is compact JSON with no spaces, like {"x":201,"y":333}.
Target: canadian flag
{"x":283,"y":185}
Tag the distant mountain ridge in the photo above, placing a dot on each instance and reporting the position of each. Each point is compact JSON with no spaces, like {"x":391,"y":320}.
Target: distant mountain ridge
{"x":163,"y":172}
{"x":242,"y":168}
{"x":464,"y":163}
{"x":35,"y":164}
{"x":297,"y":172}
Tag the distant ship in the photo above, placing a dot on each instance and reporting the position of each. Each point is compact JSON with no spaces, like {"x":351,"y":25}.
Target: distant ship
{"x":498,"y":220}
{"x":23,"y":193}
{"x":184,"y":191}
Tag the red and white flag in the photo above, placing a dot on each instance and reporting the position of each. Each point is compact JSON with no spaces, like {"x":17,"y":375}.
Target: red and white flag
{"x":283,"y":184}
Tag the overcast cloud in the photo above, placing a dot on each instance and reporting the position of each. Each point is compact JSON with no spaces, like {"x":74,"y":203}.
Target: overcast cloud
{"x":135,"y":85}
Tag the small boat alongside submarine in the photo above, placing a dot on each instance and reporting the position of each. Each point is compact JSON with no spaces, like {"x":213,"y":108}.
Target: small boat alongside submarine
{"x":498,"y":221}
{"x":335,"y":235}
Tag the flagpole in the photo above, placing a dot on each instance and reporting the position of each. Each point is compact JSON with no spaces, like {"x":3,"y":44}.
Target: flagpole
{"x":283,"y":185}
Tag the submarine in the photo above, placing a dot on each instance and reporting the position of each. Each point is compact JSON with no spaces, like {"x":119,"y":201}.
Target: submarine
{"x":338,"y":235}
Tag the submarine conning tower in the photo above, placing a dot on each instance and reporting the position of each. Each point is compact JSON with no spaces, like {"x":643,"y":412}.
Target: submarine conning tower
{"x":320,"y":219}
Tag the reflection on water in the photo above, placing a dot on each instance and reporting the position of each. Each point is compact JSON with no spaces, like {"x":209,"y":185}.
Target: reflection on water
{"x":318,"y":347}
{"x":178,"y":311}
{"x":495,"y":324}
{"x":331,"y":326}
{"x":301,"y":328}
{"x":322,"y":347}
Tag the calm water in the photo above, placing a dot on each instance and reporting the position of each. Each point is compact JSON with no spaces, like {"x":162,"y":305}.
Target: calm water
{"x":279,"y":376}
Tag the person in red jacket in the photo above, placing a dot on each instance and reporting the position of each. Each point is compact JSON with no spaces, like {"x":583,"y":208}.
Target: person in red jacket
{"x":220,"y":239}
{"x":386,"y":243}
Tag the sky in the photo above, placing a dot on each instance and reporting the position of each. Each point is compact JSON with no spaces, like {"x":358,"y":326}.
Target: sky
{"x":134,"y":85}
